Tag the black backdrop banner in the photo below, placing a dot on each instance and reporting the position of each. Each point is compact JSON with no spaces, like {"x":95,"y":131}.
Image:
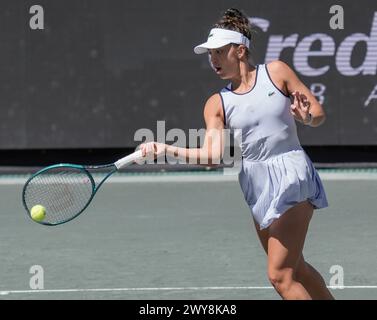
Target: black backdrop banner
{"x":100,"y":70}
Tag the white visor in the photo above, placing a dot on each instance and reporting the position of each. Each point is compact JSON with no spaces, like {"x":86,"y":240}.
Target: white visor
{"x":221,"y":37}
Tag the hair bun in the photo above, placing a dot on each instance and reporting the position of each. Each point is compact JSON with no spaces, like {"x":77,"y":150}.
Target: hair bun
{"x":234,"y":19}
{"x":233,"y":12}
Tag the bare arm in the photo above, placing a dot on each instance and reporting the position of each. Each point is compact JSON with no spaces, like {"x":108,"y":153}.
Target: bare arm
{"x":301,"y":94}
{"x":212,"y":150}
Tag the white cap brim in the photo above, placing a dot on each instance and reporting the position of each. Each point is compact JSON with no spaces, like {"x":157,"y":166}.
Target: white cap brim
{"x":203,"y":48}
{"x":221,"y":37}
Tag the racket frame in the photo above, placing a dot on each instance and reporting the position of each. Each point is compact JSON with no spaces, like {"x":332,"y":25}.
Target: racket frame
{"x":84,"y":169}
{"x":123,"y":162}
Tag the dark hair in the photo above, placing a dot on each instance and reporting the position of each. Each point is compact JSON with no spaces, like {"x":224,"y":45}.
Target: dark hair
{"x":233,"y":19}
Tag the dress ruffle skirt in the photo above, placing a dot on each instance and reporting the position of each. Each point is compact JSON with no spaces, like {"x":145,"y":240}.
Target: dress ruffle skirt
{"x":272,"y":186}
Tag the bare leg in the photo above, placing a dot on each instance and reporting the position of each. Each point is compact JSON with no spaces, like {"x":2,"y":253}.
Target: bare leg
{"x":309,"y":278}
{"x":263,"y":236}
{"x":313,"y":282}
{"x":285,"y":243}
{"x":282,"y":278}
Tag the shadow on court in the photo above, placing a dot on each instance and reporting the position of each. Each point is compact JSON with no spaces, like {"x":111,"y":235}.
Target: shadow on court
{"x":174,"y":238}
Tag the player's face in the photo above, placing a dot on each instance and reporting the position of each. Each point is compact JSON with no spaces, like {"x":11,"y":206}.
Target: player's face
{"x":224,"y":61}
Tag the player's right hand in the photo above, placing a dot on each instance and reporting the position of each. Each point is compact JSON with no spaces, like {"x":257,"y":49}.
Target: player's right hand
{"x":153,"y":149}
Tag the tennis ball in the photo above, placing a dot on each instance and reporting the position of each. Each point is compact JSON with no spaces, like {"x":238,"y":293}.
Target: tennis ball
{"x":38,"y":212}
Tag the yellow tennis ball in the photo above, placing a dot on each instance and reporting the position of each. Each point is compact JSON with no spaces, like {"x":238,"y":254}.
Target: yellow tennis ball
{"x":38,"y":212}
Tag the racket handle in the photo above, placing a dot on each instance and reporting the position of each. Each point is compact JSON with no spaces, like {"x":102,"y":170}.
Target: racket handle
{"x":127,"y":160}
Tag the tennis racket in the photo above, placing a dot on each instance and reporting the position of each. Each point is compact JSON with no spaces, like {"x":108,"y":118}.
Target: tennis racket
{"x":66,"y":190}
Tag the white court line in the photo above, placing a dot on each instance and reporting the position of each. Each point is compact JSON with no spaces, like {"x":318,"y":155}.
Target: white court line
{"x":204,"y":177}
{"x":333,"y":176}
{"x":6,"y":292}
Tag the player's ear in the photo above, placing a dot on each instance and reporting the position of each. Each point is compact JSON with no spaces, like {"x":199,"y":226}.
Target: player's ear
{"x":241,"y":51}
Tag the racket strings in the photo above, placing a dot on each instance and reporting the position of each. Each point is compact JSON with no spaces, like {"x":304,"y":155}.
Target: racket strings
{"x":63,"y":191}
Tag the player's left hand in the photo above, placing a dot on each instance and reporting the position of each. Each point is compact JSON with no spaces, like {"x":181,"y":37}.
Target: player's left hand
{"x":300,"y":107}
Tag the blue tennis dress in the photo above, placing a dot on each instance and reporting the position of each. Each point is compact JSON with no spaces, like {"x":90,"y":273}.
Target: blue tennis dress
{"x":276,"y":172}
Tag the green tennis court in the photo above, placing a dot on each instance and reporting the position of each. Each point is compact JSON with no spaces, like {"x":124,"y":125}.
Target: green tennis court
{"x":181,"y":235}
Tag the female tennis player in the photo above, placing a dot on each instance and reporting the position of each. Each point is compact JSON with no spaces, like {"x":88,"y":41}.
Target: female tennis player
{"x":278,"y":180}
